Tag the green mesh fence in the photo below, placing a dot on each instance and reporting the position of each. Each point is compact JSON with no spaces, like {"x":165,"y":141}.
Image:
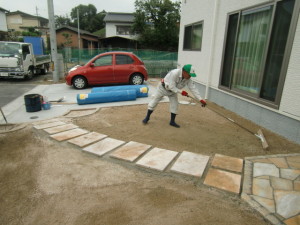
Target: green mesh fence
{"x":158,"y":63}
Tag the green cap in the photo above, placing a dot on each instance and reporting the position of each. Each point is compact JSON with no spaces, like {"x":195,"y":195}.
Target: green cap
{"x":189,"y":69}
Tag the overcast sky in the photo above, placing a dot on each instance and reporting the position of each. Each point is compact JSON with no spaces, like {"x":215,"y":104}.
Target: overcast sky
{"x":63,"y":7}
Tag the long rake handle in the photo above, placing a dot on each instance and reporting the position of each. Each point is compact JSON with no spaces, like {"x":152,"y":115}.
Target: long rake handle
{"x":3,"y":115}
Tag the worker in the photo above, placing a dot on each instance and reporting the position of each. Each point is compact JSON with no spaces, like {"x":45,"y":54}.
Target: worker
{"x":170,"y":86}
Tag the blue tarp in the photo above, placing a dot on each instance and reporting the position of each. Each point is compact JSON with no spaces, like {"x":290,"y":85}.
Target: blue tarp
{"x":111,"y":96}
{"x":141,"y":90}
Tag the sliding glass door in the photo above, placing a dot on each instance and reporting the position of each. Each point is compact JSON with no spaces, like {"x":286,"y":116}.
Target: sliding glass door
{"x":255,"y":48}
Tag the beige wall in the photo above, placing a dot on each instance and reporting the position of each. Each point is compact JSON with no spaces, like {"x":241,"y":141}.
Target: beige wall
{"x":16,"y":22}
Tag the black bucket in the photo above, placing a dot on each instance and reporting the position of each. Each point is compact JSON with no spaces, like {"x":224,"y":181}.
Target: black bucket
{"x":33,"y":103}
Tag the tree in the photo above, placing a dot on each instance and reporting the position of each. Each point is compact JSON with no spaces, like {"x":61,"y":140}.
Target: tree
{"x":89,"y":19}
{"x":61,"y":21}
{"x":157,"y":23}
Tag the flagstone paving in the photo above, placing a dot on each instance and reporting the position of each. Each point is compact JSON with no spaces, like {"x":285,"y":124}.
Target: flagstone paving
{"x":271,"y":184}
{"x":130,"y":151}
{"x":62,"y":136}
{"x":57,"y":129}
{"x":87,"y":139}
{"x":157,"y":159}
{"x":102,"y":147}
{"x":190,"y":164}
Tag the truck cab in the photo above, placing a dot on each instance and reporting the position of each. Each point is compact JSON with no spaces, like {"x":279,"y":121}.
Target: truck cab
{"x":18,"y":61}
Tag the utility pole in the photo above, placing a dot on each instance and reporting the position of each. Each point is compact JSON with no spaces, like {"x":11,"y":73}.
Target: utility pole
{"x":78,"y":36}
{"x":53,"y":40}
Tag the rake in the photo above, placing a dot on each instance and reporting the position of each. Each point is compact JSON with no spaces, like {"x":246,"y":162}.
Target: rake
{"x":259,"y":134}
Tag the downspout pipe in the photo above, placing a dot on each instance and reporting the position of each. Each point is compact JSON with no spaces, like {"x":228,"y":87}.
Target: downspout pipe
{"x":212,"y":49}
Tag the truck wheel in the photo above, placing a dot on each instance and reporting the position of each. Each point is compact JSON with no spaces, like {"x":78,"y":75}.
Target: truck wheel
{"x":29,"y":75}
{"x":136,"y":79}
{"x":44,"y":71}
{"x":79,"y":82}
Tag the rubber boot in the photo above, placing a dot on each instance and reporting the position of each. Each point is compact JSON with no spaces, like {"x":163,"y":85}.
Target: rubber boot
{"x":172,"y":122}
{"x":147,"y":118}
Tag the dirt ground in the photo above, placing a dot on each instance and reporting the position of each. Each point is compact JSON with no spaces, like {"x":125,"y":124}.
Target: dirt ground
{"x":43,"y":181}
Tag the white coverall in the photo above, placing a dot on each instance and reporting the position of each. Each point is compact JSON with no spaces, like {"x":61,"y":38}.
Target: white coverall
{"x":174,"y":81}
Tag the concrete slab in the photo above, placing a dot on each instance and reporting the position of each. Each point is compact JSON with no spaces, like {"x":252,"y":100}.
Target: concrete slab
{"x":53,"y":130}
{"x":228,"y":163}
{"x":68,"y":134}
{"x":223,"y":180}
{"x":190,"y":164}
{"x":157,"y":159}
{"x":87,"y":139}
{"x":130,"y":151}
{"x":102,"y":147}
{"x":47,"y":125}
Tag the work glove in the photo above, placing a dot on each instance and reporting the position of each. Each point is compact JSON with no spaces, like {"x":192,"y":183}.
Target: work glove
{"x":184,"y":93}
{"x":203,"y":102}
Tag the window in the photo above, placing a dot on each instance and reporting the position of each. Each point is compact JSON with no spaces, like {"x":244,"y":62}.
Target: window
{"x":124,"y":30}
{"x":255,"y":49}
{"x":123,"y":59}
{"x":193,"y":37}
{"x":104,"y":61}
{"x":25,"y":51}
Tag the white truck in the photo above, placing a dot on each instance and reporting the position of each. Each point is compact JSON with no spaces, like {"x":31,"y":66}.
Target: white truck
{"x":18,"y":61}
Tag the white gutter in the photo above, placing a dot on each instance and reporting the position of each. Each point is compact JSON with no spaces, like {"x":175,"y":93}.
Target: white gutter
{"x":212,"y":49}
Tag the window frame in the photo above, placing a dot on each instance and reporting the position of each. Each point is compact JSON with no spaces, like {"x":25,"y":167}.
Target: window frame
{"x":192,"y":25}
{"x":287,"y":53}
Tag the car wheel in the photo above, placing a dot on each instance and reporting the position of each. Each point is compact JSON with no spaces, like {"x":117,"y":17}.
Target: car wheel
{"x":136,"y":79}
{"x":79,"y":82}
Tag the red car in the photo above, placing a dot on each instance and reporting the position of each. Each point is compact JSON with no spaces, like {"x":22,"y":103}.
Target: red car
{"x":108,"y":68}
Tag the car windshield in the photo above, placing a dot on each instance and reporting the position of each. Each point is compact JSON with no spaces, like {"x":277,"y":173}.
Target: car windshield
{"x":9,"y":49}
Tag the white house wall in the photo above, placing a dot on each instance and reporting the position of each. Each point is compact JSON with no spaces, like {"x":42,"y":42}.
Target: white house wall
{"x":208,"y":62}
{"x":290,"y":102}
{"x":111,"y":30}
{"x":3,"y":23}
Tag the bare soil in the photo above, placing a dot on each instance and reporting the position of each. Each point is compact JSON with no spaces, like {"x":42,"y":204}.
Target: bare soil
{"x":43,"y":181}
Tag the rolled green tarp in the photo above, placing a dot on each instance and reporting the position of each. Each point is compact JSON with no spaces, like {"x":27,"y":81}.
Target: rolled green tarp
{"x":102,"y":97}
{"x":141,"y":90}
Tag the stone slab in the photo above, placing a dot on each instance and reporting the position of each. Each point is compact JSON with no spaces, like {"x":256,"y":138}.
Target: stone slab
{"x":53,"y":130}
{"x":287,"y":203}
{"x":293,"y":221}
{"x":228,"y":163}
{"x":290,"y":174}
{"x":68,"y":134}
{"x":47,"y":125}
{"x":45,"y":121}
{"x":190,"y":164}
{"x":262,"y":188}
{"x":269,"y":204}
{"x":281,"y":184}
{"x":264,"y":169}
{"x":102,"y":147}
{"x":130,"y":151}
{"x":223,"y":180}
{"x":157,"y":159}
{"x":279,"y":162}
{"x":87,"y":139}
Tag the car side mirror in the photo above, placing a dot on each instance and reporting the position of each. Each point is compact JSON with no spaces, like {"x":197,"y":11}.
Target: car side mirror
{"x":92,"y":65}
